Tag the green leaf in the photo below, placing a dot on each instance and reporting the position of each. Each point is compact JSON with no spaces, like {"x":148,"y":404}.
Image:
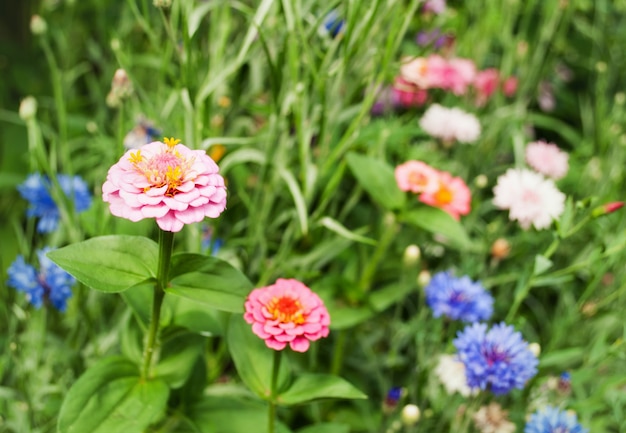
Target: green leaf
{"x":227,"y":414}
{"x":542,"y":264}
{"x":110,"y":397}
{"x":378,"y":179}
{"x":309,"y":387}
{"x":109,"y":263}
{"x":381,"y":299}
{"x":196,"y":317}
{"x":253,"y":359}
{"x":440,"y":222}
{"x":335,"y":226}
{"x":208,"y":280}
{"x":298,"y":199}
{"x":562,"y":358}
{"x":179,"y":353}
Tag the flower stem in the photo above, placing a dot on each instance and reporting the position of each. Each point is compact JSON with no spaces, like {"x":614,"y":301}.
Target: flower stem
{"x":166,"y":243}
{"x":271,"y":418}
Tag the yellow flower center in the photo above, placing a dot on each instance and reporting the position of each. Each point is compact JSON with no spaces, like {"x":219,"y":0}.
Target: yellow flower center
{"x":444,"y":195}
{"x":167,"y":168}
{"x":286,"y":310}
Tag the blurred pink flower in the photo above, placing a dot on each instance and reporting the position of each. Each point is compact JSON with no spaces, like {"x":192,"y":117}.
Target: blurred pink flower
{"x":449,"y":124}
{"x":486,"y":83}
{"x":450,"y":74}
{"x":417,"y":177}
{"x":415,"y":71}
{"x":435,"y":6}
{"x":509,"y":86}
{"x":452,"y":196}
{"x":547,"y":159}
{"x":287,"y":312}
{"x":529,"y":197}
{"x":408,"y":95}
{"x":167,"y":181}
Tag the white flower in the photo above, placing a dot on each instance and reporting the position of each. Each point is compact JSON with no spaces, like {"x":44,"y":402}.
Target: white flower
{"x":451,"y":374}
{"x":529,"y":197}
{"x":492,"y":419}
{"x":449,"y":124}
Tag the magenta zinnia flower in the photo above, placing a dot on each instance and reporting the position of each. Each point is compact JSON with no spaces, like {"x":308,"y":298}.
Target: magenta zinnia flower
{"x":167,"y":181}
{"x":287,"y":312}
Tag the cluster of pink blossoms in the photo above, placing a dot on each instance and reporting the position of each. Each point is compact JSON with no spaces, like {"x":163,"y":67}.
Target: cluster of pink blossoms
{"x":456,"y":75}
{"x":287,"y":312}
{"x":168,"y":182}
{"x":435,"y":188}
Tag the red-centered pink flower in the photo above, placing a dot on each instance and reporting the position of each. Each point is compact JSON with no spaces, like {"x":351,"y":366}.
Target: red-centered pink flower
{"x":287,"y":312}
{"x":452,"y":196}
{"x":167,"y":181}
{"x":450,"y":74}
{"x":417,"y":177}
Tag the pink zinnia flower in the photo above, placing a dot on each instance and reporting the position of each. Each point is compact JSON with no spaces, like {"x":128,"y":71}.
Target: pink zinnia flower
{"x":449,"y":124}
{"x":417,"y":177}
{"x":529,"y":197}
{"x":452,"y":196}
{"x":547,"y":159}
{"x":486,"y":83}
{"x":287,"y":312}
{"x":167,"y":181}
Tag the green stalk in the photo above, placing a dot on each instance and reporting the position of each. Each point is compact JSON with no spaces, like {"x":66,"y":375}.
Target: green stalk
{"x":166,"y":243}
{"x":271,"y":413}
{"x":389,"y":232}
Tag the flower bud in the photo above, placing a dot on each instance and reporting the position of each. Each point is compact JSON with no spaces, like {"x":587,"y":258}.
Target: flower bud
{"x":423,"y":278}
{"x":410,"y":415}
{"x":535,"y":348}
{"x":28,"y":108}
{"x":121,"y":88}
{"x":607,"y":208}
{"x":412,"y":255}
{"x":500,"y":249}
{"x":481,"y":181}
{"x":38,"y":25}
{"x":163,"y":4}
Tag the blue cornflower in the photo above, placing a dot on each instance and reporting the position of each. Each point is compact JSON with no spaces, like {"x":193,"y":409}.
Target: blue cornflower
{"x":36,"y":189}
{"x":51,"y":282}
{"x":210,"y":243}
{"x":498,"y":359}
{"x":458,"y":298}
{"x":333,"y":24}
{"x":553,"y":420}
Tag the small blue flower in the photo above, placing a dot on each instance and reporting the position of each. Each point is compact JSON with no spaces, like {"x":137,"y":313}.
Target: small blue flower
{"x":458,"y":298}
{"x":51,"y":282}
{"x":498,"y":359}
{"x":333,"y":24}
{"x":36,"y":190}
{"x":210,"y":243}
{"x":553,"y":420}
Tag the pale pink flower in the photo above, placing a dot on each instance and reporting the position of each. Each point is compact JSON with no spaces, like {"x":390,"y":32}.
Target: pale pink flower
{"x":417,"y":177}
{"x":415,"y":71}
{"x":493,"y":419}
{"x":449,"y":124}
{"x":452,"y":196}
{"x":530,"y":198}
{"x":287,"y":312}
{"x":167,"y":181}
{"x":547,"y":159}
{"x":435,"y":6}
{"x":486,"y":83}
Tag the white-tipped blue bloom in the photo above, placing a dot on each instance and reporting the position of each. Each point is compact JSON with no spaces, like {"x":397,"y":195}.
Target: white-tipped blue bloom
{"x":553,"y":420}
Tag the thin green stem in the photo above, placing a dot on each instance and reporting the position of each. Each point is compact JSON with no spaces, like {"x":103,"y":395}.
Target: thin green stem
{"x":390,"y":228}
{"x":271,"y":413}
{"x":166,"y":243}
